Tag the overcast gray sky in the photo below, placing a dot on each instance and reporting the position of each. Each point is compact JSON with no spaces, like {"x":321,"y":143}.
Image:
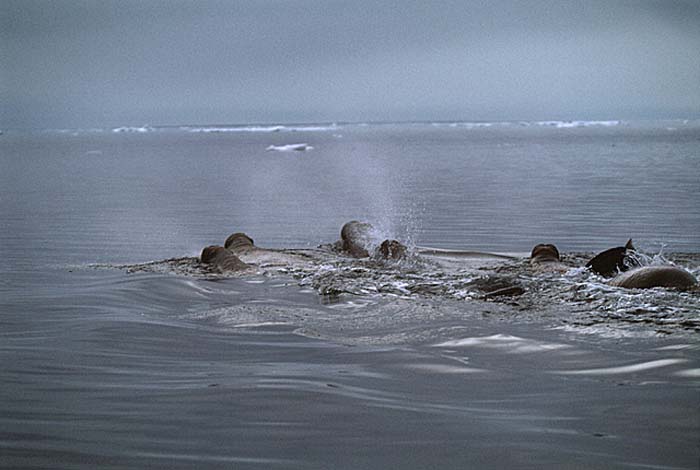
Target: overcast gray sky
{"x":109,"y":63}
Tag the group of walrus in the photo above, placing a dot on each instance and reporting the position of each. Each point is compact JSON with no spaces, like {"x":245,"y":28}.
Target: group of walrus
{"x":356,"y":240}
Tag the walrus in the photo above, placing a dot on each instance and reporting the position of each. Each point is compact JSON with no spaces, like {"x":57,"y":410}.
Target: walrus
{"x":655,"y":276}
{"x":545,"y":257}
{"x":222,"y":258}
{"x":242,"y":246}
{"x":613,"y":261}
{"x":359,"y":241}
{"x":544,"y":253}
{"x":356,"y":238}
{"x":239,"y":242}
{"x":495,"y":286}
{"x":392,"y":249}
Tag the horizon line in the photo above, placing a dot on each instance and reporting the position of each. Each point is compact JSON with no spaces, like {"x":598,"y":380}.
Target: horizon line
{"x":329,"y":123}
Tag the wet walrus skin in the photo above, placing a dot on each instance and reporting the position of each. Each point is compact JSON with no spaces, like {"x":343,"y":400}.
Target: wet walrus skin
{"x":242,"y":246}
{"x":545,"y":257}
{"x":655,"y":276}
{"x":392,"y":249}
{"x":613,"y":261}
{"x":239,"y":242}
{"x":222,"y":259}
{"x":544,"y":253}
{"x":356,"y":238}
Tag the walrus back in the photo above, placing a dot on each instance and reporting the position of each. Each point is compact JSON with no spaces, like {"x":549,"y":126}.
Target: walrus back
{"x":655,"y":276}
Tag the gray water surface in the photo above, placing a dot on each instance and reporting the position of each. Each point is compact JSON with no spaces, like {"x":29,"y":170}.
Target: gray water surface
{"x":108,"y":366}
{"x":128,"y":197}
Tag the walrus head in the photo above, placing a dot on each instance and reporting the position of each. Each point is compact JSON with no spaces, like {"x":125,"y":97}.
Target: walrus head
{"x":237,"y":241}
{"x":613,"y":261}
{"x":210,"y":253}
{"x":392,"y":249}
{"x":356,"y":238}
{"x":544,"y":253}
{"x":222,"y":258}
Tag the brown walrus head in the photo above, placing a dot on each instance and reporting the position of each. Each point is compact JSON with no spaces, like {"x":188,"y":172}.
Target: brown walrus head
{"x":544,"y":253}
{"x":610,"y":262}
{"x":392,"y":249}
{"x":238,"y":240}
{"x":222,"y":258}
{"x":210,"y":253}
{"x":356,"y":238}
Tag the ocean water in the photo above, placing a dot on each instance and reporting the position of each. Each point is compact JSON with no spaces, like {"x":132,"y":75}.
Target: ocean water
{"x":119,"y":350}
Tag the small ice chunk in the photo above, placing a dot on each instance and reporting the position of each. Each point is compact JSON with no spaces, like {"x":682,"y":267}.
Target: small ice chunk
{"x":290,"y":148}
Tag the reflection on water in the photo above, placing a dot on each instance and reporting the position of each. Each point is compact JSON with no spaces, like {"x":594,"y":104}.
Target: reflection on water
{"x":625,"y":369}
{"x":508,"y":343}
{"x":200,"y":380}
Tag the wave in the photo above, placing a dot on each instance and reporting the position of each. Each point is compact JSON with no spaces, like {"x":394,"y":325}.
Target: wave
{"x":508,"y":343}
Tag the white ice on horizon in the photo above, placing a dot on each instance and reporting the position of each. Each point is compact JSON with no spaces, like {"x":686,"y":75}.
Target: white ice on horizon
{"x":262,"y":128}
{"x":570,"y":124}
{"x":141,"y":129}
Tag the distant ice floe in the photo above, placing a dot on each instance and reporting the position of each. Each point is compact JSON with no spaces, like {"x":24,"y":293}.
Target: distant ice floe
{"x":290,"y":148}
{"x":669,"y":125}
{"x":506,"y":124}
{"x":224,"y":129}
{"x":467,"y":125}
{"x":572,"y":124}
{"x":136,"y":130}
